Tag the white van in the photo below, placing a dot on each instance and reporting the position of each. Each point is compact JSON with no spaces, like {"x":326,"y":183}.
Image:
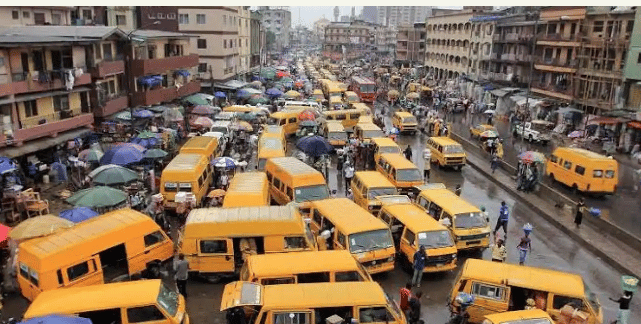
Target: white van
{"x":311,"y":104}
{"x":224,"y":127}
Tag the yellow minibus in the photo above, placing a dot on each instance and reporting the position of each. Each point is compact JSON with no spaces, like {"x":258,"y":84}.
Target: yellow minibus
{"x":187,"y":172}
{"x":293,"y":180}
{"x":204,"y":145}
{"x":405,"y":122}
{"x":269,"y":146}
{"x":399,"y":171}
{"x":367,"y":186}
{"x":247,"y":189}
{"x":366,"y":131}
{"x":348,"y":117}
{"x":384,"y":145}
{"x":446,"y":152}
{"x":335,"y":133}
{"x":583,"y":170}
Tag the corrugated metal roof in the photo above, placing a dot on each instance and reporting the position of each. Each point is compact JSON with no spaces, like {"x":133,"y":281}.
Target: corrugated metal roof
{"x":147,"y":33}
{"x":184,"y":161}
{"x":47,"y":34}
{"x":242,"y":215}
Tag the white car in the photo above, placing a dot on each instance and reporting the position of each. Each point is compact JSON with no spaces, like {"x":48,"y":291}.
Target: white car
{"x":222,"y":139}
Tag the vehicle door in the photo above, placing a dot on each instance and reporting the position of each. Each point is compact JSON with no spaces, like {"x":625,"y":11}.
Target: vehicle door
{"x":408,"y":245}
{"x":488,"y":299}
{"x":215,"y":255}
{"x":148,"y":314}
{"x":157,"y":247}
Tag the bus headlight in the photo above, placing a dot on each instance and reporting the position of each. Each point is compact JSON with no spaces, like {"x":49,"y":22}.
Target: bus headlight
{"x":454,"y":256}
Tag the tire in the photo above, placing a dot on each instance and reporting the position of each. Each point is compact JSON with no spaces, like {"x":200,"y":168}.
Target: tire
{"x":153,"y":270}
{"x":575,"y":189}
{"x":530,"y":138}
{"x":212,"y":278}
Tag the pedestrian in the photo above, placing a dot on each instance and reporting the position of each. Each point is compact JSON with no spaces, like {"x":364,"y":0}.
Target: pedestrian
{"x":495,"y":163}
{"x":580,"y":207}
{"x":419,"y":264}
{"x":499,"y":252}
{"x":525,"y":245}
{"x":408,"y":153}
{"x":458,"y":190}
{"x":415,"y":308}
{"x":405,"y":297}
{"x":349,"y":174}
{"x":427,"y":163}
{"x":504,"y":216}
{"x":181,"y":267}
{"x":624,"y":307}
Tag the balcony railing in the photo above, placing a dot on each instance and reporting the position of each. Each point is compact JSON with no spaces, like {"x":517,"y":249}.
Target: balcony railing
{"x":160,"y":65}
{"x":24,"y":82}
{"x":562,"y":89}
{"x":30,"y":122}
{"x":557,"y":62}
{"x":558,"y":37}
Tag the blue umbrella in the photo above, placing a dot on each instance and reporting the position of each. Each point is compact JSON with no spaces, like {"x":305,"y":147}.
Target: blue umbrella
{"x":78,"y":214}
{"x":224,"y":162}
{"x":57,"y":319}
{"x":6,"y":165}
{"x":220,"y":94}
{"x":122,"y":155}
{"x":242,"y":93}
{"x":273,"y":92}
{"x":314,"y":145}
{"x":145,"y":142}
{"x":144,"y":113}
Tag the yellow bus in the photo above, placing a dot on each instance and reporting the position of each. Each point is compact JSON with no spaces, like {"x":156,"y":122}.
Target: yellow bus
{"x":364,"y":302}
{"x":367,"y":186}
{"x":348,"y":117}
{"x":353,"y":229}
{"x":446,"y":152}
{"x":269,"y":146}
{"x":335,"y":133}
{"x":366,"y":131}
{"x":247,"y":189}
{"x":144,"y":301}
{"x":275,"y":130}
{"x":351,"y":97}
{"x":292,"y":180}
{"x":204,"y":145}
{"x":519,"y":317}
{"x":583,"y":170}
{"x":405,"y":122}
{"x":384,"y":145}
{"x":303,"y":267}
{"x":117,"y":245}
{"x":187,"y":172}
{"x":404,"y":174}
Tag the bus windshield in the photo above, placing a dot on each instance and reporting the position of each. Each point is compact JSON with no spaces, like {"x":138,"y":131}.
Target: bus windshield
{"x":337,"y":136}
{"x":376,"y":192}
{"x":367,"y":88}
{"x":310,"y":193}
{"x":435,"y":239}
{"x":373,"y":133}
{"x":168,"y":299}
{"x":453,"y":149}
{"x":371,"y":240}
{"x":390,"y":149}
{"x":470,"y":220}
{"x":408,"y":175}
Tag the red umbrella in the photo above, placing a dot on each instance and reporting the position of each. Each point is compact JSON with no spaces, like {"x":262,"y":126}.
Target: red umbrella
{"x":4,"y":233}
{"x":203,"y":110}
{"x":281,"y":74}
{"x":202,"y":121}
{"x":298,"y":84}
{"x":306,"y":115}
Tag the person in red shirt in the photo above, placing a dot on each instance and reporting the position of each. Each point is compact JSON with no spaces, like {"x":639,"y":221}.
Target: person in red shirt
{"x":405,"y":297}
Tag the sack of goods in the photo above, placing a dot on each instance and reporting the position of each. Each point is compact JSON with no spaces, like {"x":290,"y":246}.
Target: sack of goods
{"x":629,"y":283}
{"x":571,"y":315}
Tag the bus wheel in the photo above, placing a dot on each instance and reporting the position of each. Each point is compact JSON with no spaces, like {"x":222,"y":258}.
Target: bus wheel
{"x":213,"y":279}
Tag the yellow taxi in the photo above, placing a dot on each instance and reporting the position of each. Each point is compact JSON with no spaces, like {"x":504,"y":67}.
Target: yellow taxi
{"x":476,"y":131}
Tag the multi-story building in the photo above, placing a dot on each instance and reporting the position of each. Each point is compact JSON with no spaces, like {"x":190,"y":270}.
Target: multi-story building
{"x":601,"y":58}
{"x":157,"y":18}
{"x":448,"y":48}
{"x":348,"y":40}
{"x":244,"y":34}
{"x":385,"y":39}
{"x":123,"y":17}
{"x":277,"y":20}
{"x":401,"y":15}
{"x":558,"y":40}
{"x":410,"y":44}
{"x":162,"y":68}
{"x":257,"y":41}
{"x":32,"y":15}
{"x":511,"y":57}
{"x":481,"y":37}
{"x":632,"y":73}
{"x":319,"y":29}
{"x":217,"y":43}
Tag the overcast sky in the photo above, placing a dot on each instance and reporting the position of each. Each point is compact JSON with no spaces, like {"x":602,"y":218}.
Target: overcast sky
{"x":310,"y":14}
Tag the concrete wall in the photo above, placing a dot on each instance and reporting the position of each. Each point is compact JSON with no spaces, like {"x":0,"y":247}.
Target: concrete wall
{"x":632,"y":66}
{"x":26,"y":15}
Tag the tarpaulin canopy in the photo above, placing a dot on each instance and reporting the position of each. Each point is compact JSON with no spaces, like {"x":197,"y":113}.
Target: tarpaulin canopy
{"x":606,"y":121}
{"x":150,"y":80}
{"x":184,"y":73}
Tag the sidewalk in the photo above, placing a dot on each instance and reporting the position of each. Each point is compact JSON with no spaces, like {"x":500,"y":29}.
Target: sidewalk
{"x":617,"y":253}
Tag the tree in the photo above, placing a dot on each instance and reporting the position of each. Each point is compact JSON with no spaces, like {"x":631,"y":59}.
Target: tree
{"x":270,"y":39}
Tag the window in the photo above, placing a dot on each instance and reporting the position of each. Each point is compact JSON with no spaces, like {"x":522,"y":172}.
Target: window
{"x":153,"y":238}
{"x":184,"y":186}
{"x":297,"y":242}
{"x":202,"y":67}
{"x":269,"y":176}
{"x":61,"y":102}
{"x":291,"y":318}
{"x":347,"y":276}
{"x":15,"y":14}
{"x":106,"y":316}
{"x":200,"y":19}
{"x":60,"y":280}
{"x":202,"y":43}
{"x":317,"y":217}
{"x":559,"y":301}
{"x":567,"y":165}
{"x":609,"y":174}
{"x":553,"y":158}
{"x":121,"y":20}
{"x":224,"y":43}
{"x":487,"y":291}
{"x":374,"y":315}
{"x":224,"y":19}
{"x":25,"y":14}
{"x":78,"y":270}
{"x":435,"y":210}
{"x":106,"y":51}
{"x":24,"y":270}
{"x":144,"y":314}
{"x":292,"y":120}
{"x":639,"y":59}
{"x":183,"y":19}
{"x":386,"y":218}
{"x":409,"y":236}
{"x":213,"y":246}
{"x":86,"y":14}
{"x":171,"y":187}
{"x":598,"y":27}
{"x":30,"y":108}
{"x":56,"y":19}
{"x":313,"y":277}
{"x":277,"y":183}
{"x":290,"y":193}
{"x":579,"y":169}
{"x":276,"y":281}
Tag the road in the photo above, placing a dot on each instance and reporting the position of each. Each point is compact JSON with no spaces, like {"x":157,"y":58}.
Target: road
{"x":615,"y":208}
{"x":551,"y":249}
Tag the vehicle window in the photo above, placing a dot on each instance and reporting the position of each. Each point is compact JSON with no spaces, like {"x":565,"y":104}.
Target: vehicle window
{"x":105,"y":316}
{"x":277,"y":281}
{"x":144,"y":314}
{"x":597,"y":173}
{"x":374,"y":315}
{"x":277,"y":183}
{"x":343,"y":276}
{"x":341,"y":239}
{"x":213,"y":246}
{"x":33,"y":277}
{"x":386,"y":217}
{"x":292,"y":120}
{"x":201,"y":180}
{"x":553,"y":158}
{"x":423,"y":202}
{"x":60,"y":280}
{"x":341,"y":117}
{"x":153,"y":238}
{"x":313,"y":277}
{"x":290,"y":193}
{"x":354,"y":116}
{"x":296,"y":242}
{"x":487,"y":291}
{"x":609,"y":174}
{"x":409,"y":236}
{"x":579,"y":169}
{"x":78,"y":270}
{"x":318,"y":218}
{"x":184,"y":186}
{"x":435,"y":211}
{"x":559,"y":301}
{"x":269,"y":176}
{"x":567,"y":165}
{"x":171,"y":187}
{"x":292,"y":318}
{"x":24,"y":271}
{"x":282,"y":122}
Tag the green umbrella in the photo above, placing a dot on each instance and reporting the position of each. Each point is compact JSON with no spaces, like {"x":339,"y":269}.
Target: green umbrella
{"x":247,"y":116}
{"x":147,"y":134}
{"x":155,"y":154}
{"x":90,"y":155}
{"x":268,"y":74}
{"x":123,"y":115}
{"x":286,"y":79}
{"x":157,"y":109}
{"x":98,"y":197}
{"x":111,"y":174}
{"x":196,"y":100}
{"x":258,"y":100}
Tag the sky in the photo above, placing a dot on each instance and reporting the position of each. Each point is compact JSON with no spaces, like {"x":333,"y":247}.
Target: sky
{"x":309,"y":14}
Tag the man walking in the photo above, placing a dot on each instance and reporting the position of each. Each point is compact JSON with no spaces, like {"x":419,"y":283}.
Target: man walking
{"x":415,"y":308}
{"x":427,"y":163}
{"x":181,"y":266}
{"x":349,"y":174}
{"x":624,"y":307}
{"x":504,"y":215}
{"x":408,"y":153}
{"x":405,"y":297}
{"x":419,"y":264}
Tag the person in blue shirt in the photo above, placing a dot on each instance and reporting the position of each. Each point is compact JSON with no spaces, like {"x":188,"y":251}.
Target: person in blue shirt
{"x":420,"y":257}
{"x":504,"y":215}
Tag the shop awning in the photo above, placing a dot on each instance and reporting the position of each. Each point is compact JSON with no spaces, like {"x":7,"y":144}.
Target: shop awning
{"x":606,"y":121}
{"x":635,"y":124}
{"x":499,"y":92}
{"x":43,"y":143}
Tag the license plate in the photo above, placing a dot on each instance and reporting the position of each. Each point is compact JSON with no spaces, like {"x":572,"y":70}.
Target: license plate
{"x":472,"y":242}
{"x":438,"y":265}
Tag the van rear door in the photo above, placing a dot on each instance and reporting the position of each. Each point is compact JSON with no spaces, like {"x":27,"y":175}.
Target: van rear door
{"x":215,"y":255}
{"x":241,"y":293}
{"x":488,"y":299}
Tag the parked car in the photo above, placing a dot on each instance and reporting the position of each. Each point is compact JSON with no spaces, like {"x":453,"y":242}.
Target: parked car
{"x":534,"y":131}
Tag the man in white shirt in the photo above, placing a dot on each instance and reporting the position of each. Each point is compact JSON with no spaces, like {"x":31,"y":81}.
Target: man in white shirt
{"x":427,"y":161}
{"x":349,"y":174}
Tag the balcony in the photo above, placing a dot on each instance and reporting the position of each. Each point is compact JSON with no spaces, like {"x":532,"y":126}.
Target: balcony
{"x":108,"y":68}
{"x":111,"y":105}
{"x":551,"y":90}
{"x":49,"y":125}
{"x":155,"y":96}
{"x":39,"y":81}
{"x":556,"y":65}
{"x":160,"y":65}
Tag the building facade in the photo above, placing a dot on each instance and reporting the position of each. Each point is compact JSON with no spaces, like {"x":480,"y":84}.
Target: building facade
{"x":385,"y":40}
{"x":319,"y":29}
{"x":244,"y":48}
{"x":410,"y":44}
{"x":632,"y":73}
{"x":348,"y":40}
{"x":401,"y":15}
{"x":257,"y":41}
{"x":216,"y":39}
{"x":481,"y":39}
{"x":157,"y":18}
{"x":448,"y":48}
{"x":277,"y":20}
{"x":29,"y":16}
{"x":123,"y":17}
